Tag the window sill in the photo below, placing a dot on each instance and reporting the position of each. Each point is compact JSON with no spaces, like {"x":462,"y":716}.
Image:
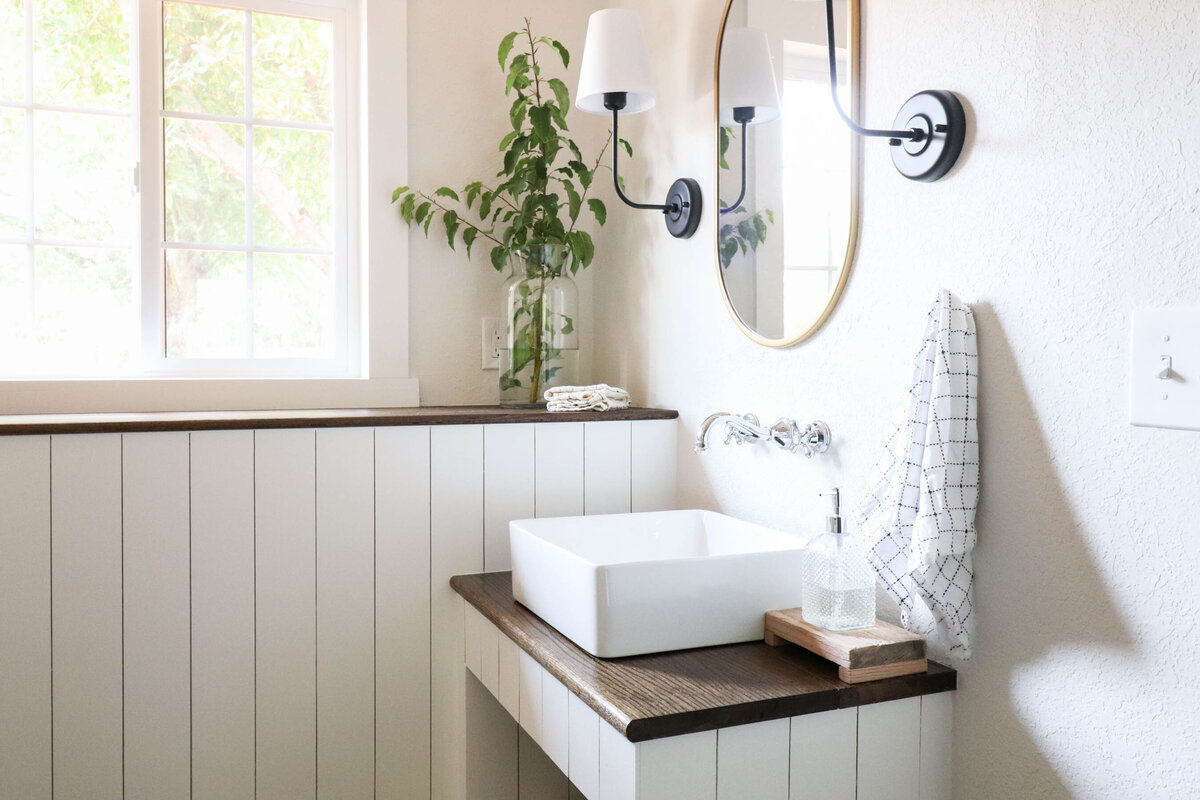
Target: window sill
{"x":203,"y":395}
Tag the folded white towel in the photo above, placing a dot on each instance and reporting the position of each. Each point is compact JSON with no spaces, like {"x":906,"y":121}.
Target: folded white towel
{"x":919,"y":517}
{"x":600,"y":397}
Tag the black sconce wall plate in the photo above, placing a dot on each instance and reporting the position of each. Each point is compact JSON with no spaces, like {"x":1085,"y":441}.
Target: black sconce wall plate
{"x":939,"y":115}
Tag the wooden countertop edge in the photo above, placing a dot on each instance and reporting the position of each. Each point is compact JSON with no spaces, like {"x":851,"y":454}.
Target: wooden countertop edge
{"x":35,"y":424}
{"x":937,"y":679}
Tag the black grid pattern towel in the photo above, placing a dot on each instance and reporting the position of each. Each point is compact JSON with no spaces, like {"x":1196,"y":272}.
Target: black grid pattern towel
{"x":918,"y":520}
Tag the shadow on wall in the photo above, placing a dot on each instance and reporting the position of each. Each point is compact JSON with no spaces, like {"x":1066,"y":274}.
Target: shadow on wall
{"x":1037,"y":590}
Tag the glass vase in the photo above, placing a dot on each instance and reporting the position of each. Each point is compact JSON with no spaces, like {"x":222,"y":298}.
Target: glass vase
{"x":541,"y":342}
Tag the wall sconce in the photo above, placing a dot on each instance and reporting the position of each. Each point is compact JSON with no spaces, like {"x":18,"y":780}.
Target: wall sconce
{"x":931,"y":125}
{"x":749,"y":93}
{"x":615,"y":77}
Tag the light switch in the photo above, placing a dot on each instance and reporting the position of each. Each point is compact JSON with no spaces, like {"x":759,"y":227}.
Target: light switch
{"x":1164,"y":368}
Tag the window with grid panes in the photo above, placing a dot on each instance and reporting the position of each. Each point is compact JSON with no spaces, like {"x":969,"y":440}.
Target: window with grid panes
{"x":174,"y":189}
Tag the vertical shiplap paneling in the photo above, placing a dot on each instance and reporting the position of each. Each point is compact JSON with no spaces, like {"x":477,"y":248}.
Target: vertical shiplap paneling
{"x":509,"y":679}
{"x":402,"y":613}
{"x":25,"y":617}
{"x":606,"y":467}
{"x":937,"y":745}
{"x":86,"y":528}
{"x":508,"y":468}
{"x":654,"y":464}
{"x":540,"y":779}
{"x":555,"y":726}
{"x":157,"y":574}
{"x":222,"y":481}
{"x":678,"y":767}
{"x":489,"y":657}
{"x":752,"y":761}
{"x":584,"y":742}
{"x":530,"y":715}
{"x":456,"y":534}
{"x":823,"y":755}
{"x":559,"y":458}
{"x":285,"y":630}
{"x":889,"y":750}
{"x":473,"y":623}
{"x":345,"y":614}
{"x":618,"y":765}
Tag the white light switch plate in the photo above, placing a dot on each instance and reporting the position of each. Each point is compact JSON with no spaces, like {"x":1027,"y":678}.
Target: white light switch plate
{"x":1164,"y":363}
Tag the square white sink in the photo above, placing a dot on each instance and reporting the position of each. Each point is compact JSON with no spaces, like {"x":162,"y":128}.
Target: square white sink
{"x":627,"y":584}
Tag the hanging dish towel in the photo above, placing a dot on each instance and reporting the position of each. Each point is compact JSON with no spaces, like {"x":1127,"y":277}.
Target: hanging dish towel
{"x":919,"y":518}
{"x":600,"y":397}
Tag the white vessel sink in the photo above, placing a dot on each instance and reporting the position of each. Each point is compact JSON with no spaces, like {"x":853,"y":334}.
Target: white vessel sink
{"x":626,"y":584}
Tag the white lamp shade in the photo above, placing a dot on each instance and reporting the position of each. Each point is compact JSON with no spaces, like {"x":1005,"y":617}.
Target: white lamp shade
{"x":747,"y":78}
{"x":615,"y":59}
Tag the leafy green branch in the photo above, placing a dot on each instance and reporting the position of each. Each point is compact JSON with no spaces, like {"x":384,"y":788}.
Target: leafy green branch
{"x":544,"y":183}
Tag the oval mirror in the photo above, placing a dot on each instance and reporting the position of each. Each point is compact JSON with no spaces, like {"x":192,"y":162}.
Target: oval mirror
{"x":788,"y":168}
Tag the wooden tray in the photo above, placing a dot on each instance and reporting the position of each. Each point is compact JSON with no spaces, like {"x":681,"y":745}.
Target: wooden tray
{"x":883,"y":651}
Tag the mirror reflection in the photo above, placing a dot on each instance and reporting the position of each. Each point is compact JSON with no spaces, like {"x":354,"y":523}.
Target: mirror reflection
{"x":787,"y":177}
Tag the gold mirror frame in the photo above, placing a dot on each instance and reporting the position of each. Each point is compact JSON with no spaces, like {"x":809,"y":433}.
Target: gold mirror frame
{"x":854,"y":79}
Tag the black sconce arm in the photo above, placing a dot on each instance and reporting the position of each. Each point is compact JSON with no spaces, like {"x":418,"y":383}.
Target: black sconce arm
{"x":912,"y":134}
{"x":684,"y":202}
{"x":741,"y":195}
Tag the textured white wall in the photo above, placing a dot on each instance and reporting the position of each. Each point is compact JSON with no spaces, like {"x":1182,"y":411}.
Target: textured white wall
{"x":1075,"y":202}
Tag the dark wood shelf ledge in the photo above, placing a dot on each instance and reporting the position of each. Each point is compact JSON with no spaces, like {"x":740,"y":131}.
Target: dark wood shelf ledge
{"x":28,"y":424}
{"x":669,"y":694}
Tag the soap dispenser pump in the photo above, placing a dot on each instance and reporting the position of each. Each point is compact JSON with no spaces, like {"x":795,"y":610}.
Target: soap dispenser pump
{"x":838,"y":593}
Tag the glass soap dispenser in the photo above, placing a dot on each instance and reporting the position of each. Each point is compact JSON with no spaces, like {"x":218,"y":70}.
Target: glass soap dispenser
{"x":838,"y":593}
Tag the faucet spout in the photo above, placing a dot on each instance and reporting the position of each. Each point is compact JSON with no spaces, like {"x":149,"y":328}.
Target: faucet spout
{"x":702,"y":437}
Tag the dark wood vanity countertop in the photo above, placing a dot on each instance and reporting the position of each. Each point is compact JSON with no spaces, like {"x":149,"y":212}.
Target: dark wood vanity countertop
{"x":27,"y":424}
{"x":669,"y":694}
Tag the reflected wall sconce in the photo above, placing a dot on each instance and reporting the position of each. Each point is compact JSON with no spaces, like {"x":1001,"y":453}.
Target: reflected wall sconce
{"x":749,"y":93}
{"x":931,"y":126}
{"x":615,"y":78}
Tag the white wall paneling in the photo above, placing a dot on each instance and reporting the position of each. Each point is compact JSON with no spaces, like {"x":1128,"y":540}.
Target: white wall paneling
{"x":824,"y":755}
{"x":653,"y":460}
{"x":157,"y":654}
{"x":402,"y":543}
{"x":584,"y":744}
{"x":472,"y":629}
{"x":937,"y":746}
{"x":222,"y":580}
{"x":554,"y":721}
{"x":508,"y":467}
{"x":85,"y":486}
{"x":286,"y":609}
{"x":752,"y":761}
{"x":260,"y":615}
{"x":456,"y":536}
{"x":681,"y":766}
{"x":889,"y":750}
{"x":606,"y":467}
{"x":559,"y":469}
{"x":618,"y":765}
{"x":530,"y":715}
{"x":25,"y":731}
{"x":345,"y":586}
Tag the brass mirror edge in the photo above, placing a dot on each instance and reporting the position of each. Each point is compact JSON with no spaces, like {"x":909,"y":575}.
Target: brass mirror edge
{"x":854,"y":77}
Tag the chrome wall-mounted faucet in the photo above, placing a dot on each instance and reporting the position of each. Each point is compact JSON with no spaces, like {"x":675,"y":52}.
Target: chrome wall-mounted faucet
{"x":785,"y":433}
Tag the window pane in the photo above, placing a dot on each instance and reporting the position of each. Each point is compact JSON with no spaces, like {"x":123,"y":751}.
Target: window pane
{"x":293,"y":306}
{"x":85,"y":318}
{"x":292,"y":64}
{"x":15,"y":323}
{"x":206,"y":304}
{"x":293,"y":204}
{"x":12,"y":49}
{"x":82,"y":177}
{"x":13,"y":164}
{"x":205,"y":182}
{"x":204,"y":57}
{"x":81,"y":53}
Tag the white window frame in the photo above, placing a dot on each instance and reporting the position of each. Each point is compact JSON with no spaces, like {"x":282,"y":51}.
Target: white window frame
{"x":375,"y":92}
